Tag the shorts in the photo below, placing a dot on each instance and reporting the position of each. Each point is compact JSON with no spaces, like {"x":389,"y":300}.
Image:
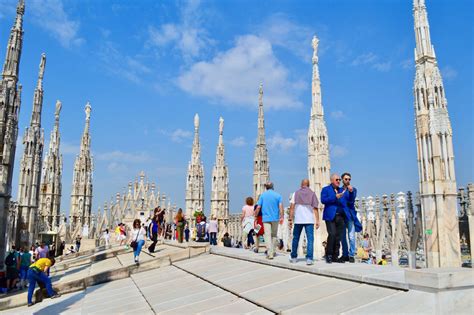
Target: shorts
{"x":12,"y":273}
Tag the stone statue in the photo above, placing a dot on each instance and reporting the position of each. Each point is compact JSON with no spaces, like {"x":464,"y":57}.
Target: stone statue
{"x":88,"y":111}
{"x":58,"y":108}
{"x":221,"y":125}
{"x":196,"y":121}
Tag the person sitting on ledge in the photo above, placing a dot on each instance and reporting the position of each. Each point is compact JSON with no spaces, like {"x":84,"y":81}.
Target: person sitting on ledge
{"x":227,"y":240}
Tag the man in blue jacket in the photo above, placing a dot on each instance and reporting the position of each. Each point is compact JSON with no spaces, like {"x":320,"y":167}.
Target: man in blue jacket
{"x":334,"y":214}
{"x":348,"y":252}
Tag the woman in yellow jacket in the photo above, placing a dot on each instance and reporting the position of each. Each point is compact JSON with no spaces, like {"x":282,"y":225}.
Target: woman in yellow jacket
{"x":38,"y":272}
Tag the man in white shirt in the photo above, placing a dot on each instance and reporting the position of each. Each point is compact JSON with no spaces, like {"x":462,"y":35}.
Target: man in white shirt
{"x":304,"y":214}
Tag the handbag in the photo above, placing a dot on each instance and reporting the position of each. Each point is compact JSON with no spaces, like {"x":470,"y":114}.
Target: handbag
{"x":134,"y":243}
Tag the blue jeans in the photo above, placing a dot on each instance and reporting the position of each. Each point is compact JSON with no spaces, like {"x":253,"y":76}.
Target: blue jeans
{"x":34,"y":277}
{"x":309,"y":229}
{"x":24,"y":272}
{"x":136,"y":251}
{"x":351,"y":251}
{"x":213,"y":238}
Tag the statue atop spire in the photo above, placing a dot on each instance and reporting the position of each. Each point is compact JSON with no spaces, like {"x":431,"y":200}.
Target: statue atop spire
{"x":315,"y":44}
{"x":57,"y":111}
{"x":38,"y":96}
{"x":15,"y":43}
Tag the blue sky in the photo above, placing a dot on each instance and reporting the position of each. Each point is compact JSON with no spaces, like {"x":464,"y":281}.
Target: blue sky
{"x":148,"y":66}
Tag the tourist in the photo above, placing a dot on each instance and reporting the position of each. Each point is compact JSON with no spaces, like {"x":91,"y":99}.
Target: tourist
{"x":62,"y":247}
{"x":42,"y":251}
{"x":117,"y":232}
{"x":226,"y":240}
{"x":304,"y":210}
{"x":106,"y":237}
{"x":137,"y":239}
{"x":25,"y":261}
{"x":12,"y":262}
{"x":201,"y":229}
{"x":153,"y":230}
{"x":250,"y":240}
{"x":38,"y":272}
{"x":186,"y":233}
{"x":258,"y":228}
{"x":334,"y":216}
{"x":213,"y":230}
{"x":383,"y":261}
{"x":248,"y":220}
{"x":161,"y":220}
{"x":180,"y":223}
{"x":71,"y":250}
{"x":364,"y":251}
{"x":52,"y":250}
{"x":78,"y":243}
{"x":123,"y":233}
{"x":270,"y":204}
{"x":352,"y":222}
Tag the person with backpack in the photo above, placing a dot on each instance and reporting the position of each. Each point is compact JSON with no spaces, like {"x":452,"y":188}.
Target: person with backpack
{"x":213,"y":229}
{"x":39,"y":272}
{"x":12,"y":262}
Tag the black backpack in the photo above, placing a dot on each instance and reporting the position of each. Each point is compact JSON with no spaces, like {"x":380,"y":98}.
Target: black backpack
{"x":10,"y":260}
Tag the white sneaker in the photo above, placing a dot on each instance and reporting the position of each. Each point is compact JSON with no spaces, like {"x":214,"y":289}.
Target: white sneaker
{"x":292,"y":260}
{"x":136,"y":259}
{"x":309,"y":262}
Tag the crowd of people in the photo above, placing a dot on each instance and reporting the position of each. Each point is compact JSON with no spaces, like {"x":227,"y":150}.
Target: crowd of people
{"x":263,"y":218}
{"x":27,"y":266}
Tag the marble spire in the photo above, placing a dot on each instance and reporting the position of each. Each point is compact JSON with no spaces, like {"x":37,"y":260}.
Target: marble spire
{"x":261,"y":169}
{"x":195,"y":178}
{"x":10,"y":100}
{"x":318,"y":148}
{"x":81,"y":192}
{"x":30,"y":169}
{"x":434,"y":138}
{"x":220,"y":182}
{"x":51,"y":182}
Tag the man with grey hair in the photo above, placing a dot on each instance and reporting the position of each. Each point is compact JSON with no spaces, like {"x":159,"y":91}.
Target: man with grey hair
{"x":334,"y":215}
{"x":304,"y":208}
{"x":270,"y":203}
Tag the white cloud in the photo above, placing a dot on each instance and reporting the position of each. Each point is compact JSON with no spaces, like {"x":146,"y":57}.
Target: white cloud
{"x":232,"y":77}
{"x":278,"y":142}
{"x":187,"y":36}
{"x":51,"y":16}
{"x":119,"y":156}
{"x":283,"y":32}
{"x":238,"y":142}
{"x":337,"y":114}
{"x":115,"y":167}
{"x":407,"y":64}
{"x":372,"y":60}
{"x":124,"y":66}
{"x":449,"y":73}
{"x":179,"y":135}
{"x":68,"y":148}
{"x":336,"y":150}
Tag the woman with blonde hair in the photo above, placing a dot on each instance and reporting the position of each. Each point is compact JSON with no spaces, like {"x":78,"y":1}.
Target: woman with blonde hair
{"x":180,"y":223}
{"x":247,"y":219}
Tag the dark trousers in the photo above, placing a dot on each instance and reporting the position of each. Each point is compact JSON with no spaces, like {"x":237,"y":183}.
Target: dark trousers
{"x":154,"y":238}
{"x":335,"y":229}
{"x":213,"y":238}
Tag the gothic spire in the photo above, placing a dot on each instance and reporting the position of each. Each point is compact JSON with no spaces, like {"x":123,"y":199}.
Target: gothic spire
{"x":424,"y":49}
{"x":316,"y":105}
{"x":38,"y":96}
{"x":261,"y":170}
{"x":220,"y":182}
{"x":12,"y":59}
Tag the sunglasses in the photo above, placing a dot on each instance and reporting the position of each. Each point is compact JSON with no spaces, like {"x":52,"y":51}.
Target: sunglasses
{"x":338,"y":180}
{"x":347,"y":179}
